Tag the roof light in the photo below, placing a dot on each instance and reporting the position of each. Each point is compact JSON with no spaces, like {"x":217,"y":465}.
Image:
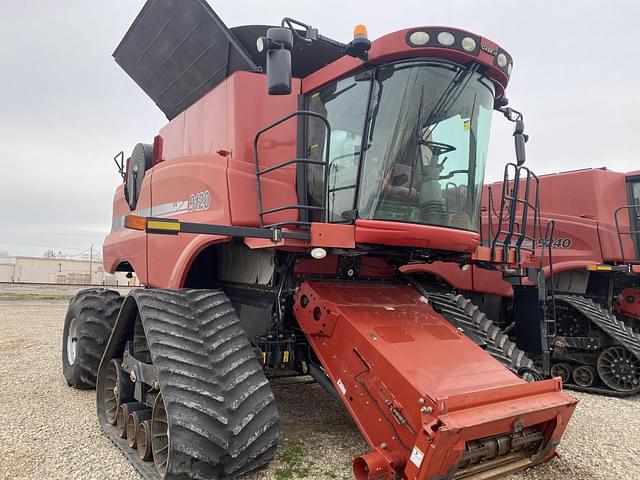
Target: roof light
{"x":360,"y":31}
{"x":469,"y":44}
{"x":446,"y":38}
{"x":419,"y":38}
{"x":502,"y":60}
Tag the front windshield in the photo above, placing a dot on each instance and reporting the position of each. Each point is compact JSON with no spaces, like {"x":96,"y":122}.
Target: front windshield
{"x":427,"y":145}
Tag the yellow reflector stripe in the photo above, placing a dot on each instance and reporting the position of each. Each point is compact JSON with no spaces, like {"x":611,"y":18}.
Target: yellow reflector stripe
{"x":601,"y":268}
{"x":160,"y":225}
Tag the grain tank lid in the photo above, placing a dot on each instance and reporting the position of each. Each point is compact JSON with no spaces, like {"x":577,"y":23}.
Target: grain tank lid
{"x":177,"y":51}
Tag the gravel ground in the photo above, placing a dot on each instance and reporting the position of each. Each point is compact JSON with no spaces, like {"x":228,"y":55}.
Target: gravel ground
{"x":49,"y":431}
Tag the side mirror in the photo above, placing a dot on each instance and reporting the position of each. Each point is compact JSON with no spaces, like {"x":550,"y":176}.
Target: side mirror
{"x":521,"y":155}
{"x":520,"y":139}
{"x":278,"y":44}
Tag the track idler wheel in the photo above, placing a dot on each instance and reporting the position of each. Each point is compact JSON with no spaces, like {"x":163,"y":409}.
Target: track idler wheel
{"x":143,"y":441}
{"x":160,"y":436}
{"x":122,"y":417}
{"x":134,"y":421}
{"x":117,"y":389}
{"x":562,"y":370}
{"x":619,"y":369}
{"x":584,"y":376}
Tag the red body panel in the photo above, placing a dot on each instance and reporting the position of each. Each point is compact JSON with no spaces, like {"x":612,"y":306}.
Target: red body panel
{"x":393,"y":46}
{"x":373,"y":267}
{"x":385,"y":349}
{"x":249,"y":110}
{"x":473,"y":279}
{"x":583,"y":203}
{"x":173,"y":183}
{"x":191,"y":166}
{"x":123,"y":245}
{"x":208,"y":148}
{"x":629,"y":302}
{"x":414,"y":235}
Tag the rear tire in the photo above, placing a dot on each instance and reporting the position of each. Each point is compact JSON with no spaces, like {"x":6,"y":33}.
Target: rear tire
{"x":90,"y":318}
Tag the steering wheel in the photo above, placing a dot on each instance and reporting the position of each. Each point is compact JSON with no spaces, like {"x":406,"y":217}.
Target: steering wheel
{"x":451,"y":174}
{"x":438,"y":148}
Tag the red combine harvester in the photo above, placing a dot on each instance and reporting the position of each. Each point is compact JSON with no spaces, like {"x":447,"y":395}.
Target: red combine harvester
{"x":593,"y":259}
{"x":268,"y":221}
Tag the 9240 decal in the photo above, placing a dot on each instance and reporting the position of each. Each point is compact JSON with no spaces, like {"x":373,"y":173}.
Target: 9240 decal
{"x":561,"y":242}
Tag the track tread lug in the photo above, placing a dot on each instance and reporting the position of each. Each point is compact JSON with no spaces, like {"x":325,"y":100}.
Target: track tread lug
{"x":610,"y":325}
{"x":467,"y":313}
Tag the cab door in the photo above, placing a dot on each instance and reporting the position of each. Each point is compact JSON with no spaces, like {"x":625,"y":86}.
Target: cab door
{"x":344,"y":105}
{"x":633,"y":186}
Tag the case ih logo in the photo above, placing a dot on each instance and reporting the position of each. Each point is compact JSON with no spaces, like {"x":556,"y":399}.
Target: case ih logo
{"x":489,"y":50}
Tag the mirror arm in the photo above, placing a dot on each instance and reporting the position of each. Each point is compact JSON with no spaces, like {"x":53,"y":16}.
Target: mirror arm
{"x":310,"y":34}
{"x":358,"y":47}
{"x":520,"y":138}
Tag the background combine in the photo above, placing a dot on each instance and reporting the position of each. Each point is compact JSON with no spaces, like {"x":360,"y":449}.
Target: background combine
{"x":591,"y":262}
{"x":269,"y":220}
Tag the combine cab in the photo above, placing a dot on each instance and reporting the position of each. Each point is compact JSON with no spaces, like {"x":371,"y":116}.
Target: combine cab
{"x":269,"y":220}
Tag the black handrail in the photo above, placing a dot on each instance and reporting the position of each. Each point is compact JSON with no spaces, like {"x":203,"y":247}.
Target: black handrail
{"x":630,"y":232}
{"x":548,"y":243}
{"x":297,"y":161}
{"x":515,"y":234}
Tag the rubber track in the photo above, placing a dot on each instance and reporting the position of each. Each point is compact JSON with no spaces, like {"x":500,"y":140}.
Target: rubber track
{"x":223,"y":418}
{"x":603,"y":319}
{"x":461,"y":310}
{"x":609,"y":324}
{"x":96,"y":310}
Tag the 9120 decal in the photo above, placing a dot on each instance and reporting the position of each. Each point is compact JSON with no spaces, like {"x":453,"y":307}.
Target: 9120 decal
{"x":199,"y":201}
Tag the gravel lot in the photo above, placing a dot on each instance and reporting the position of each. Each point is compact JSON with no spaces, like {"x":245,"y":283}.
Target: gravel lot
{"x":49,"y":431}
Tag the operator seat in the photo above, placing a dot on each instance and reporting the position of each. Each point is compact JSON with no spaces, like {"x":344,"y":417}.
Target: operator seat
{"x":400,"y":184}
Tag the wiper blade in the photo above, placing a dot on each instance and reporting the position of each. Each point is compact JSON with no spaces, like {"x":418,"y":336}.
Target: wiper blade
{"x":446,"y":100}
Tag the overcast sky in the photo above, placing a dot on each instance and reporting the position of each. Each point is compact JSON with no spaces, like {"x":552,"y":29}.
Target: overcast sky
{"x":66,"y":108}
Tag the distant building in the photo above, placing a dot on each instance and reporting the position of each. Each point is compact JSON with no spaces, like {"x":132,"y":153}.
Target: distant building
{"x":59,"y":270}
